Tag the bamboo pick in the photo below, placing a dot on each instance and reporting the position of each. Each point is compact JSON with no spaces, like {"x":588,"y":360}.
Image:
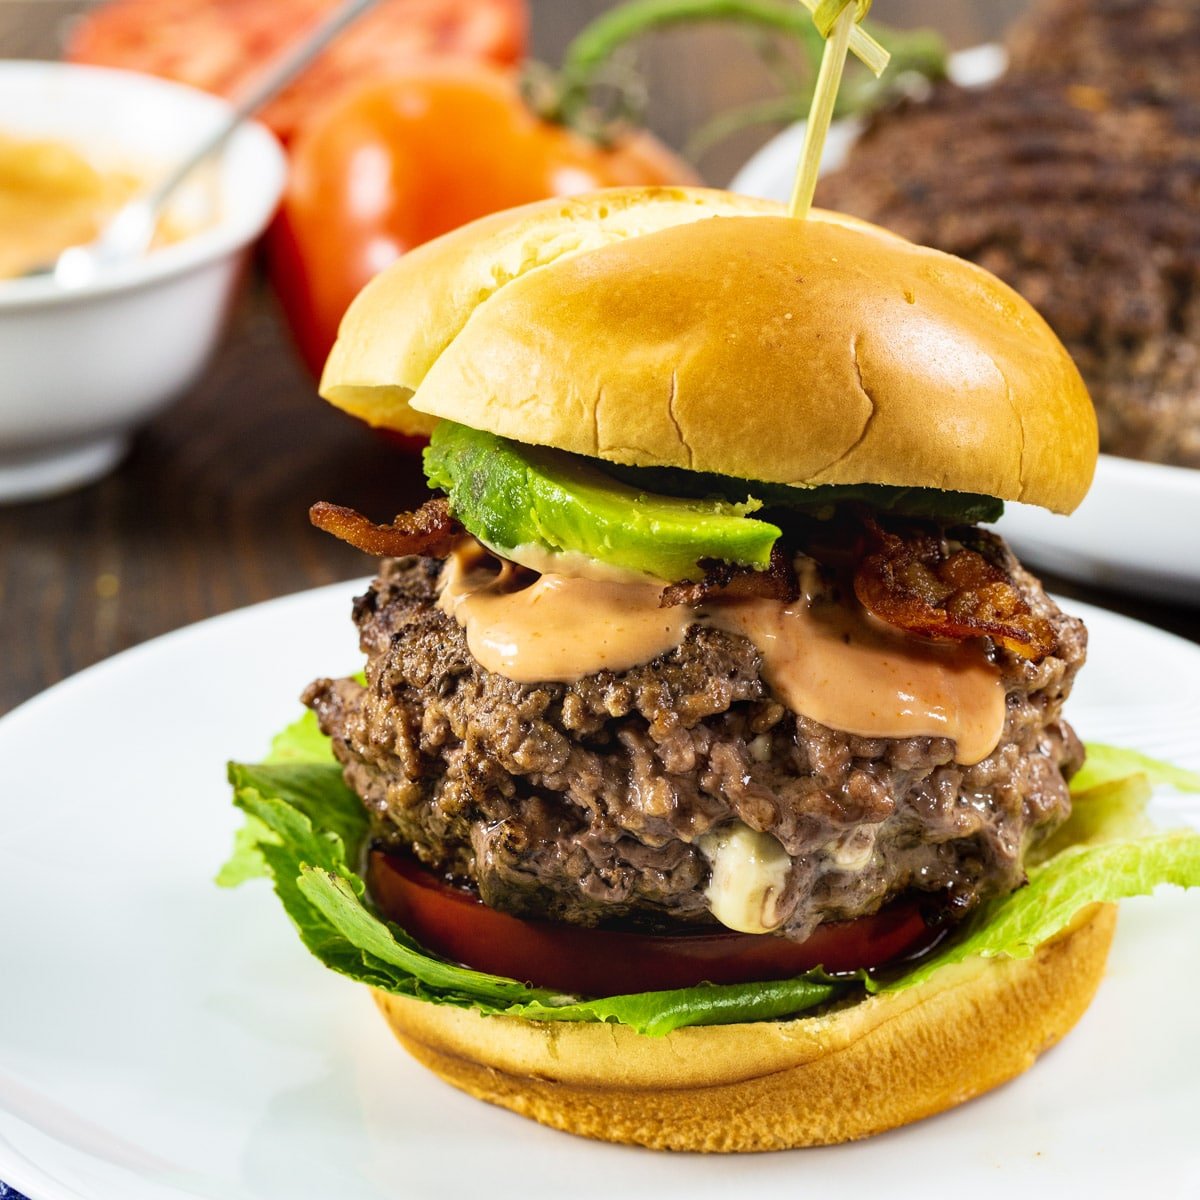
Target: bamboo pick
{"x":829,"y":79}
{"x":872,"y":55}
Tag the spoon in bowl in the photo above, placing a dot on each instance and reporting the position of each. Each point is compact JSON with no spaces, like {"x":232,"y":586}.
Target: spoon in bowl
{"x":130,"y":230}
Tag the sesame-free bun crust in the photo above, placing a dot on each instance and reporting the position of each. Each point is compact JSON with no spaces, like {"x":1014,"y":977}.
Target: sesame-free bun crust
{"x":699,"y":329}
{"x":408,"y":315}
{"x":772,"y":1085}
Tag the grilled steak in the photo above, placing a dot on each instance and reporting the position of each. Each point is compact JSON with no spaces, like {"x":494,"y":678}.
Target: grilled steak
{"x":1146,"y":48}
{"x":1084,"y":200}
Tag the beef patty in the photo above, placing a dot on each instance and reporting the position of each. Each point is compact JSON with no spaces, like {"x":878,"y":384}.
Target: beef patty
{"x":584,"y":802}
{"x":1088,"y":203}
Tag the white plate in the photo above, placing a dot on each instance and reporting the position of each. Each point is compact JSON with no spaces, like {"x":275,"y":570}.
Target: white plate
{"x":161,"y":1039}
{"x":1138,"y":531}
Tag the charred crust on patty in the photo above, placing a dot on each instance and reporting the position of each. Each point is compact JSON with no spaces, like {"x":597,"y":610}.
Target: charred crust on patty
{"x":585,"y":802}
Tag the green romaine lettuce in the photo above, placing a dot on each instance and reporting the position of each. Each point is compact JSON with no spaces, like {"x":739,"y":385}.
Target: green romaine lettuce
{"x":306,"y":830}
{"x":1016,"y":925}
{"x":1107,"y":763}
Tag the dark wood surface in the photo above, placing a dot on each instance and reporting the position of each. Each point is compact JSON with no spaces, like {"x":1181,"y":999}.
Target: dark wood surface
{"x":208,"y":512}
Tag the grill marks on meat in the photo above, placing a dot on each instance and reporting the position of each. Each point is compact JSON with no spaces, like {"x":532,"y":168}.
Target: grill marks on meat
{"x":430,"y":530}
{"x":919,"y":584}
{"x":584,"y":802}
{"x":1084,"y":199}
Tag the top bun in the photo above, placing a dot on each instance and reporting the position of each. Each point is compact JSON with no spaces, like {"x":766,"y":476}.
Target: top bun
{"x":699,"y":329}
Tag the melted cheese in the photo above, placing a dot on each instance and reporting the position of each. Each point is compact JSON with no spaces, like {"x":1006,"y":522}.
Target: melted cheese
{"x":749,"y":871}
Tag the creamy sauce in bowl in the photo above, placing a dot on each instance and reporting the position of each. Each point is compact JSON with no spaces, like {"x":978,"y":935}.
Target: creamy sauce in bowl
{"x":53,"y":197}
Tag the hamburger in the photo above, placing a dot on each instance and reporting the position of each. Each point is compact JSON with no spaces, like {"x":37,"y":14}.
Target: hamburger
{"x":707,"y":786}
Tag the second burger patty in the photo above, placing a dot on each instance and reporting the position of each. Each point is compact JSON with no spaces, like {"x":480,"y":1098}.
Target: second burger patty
{"x":584,"y":802}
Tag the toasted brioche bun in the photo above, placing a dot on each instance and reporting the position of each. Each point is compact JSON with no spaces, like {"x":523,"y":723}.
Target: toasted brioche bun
{"x":773,"y":1085}
{"x":699,"y":329}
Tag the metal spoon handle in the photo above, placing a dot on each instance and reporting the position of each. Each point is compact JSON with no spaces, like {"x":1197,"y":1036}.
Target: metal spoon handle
{"x":274,"y":80}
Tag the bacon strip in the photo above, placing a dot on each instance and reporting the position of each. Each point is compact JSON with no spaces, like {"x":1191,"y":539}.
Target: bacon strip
{"x":912,"y":582}
{"x":430,"y":531}
{"x":729,"y":582}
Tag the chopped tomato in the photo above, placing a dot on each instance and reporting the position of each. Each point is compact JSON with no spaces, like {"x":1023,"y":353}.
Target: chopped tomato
{"x":221,"y":45}
{"x":402,"y":160}
{"x":454,"y":923}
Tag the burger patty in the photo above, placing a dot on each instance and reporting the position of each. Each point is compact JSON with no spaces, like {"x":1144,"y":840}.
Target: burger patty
{"x":1085,"y":200}
{"x":584,"y":802}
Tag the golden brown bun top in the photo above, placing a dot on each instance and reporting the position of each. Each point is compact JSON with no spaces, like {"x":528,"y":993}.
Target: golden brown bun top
{"x":699,"y":329}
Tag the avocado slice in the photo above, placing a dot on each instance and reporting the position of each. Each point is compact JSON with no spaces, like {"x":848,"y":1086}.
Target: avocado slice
{"x":508,"y":495}
{"x":951,"y":508}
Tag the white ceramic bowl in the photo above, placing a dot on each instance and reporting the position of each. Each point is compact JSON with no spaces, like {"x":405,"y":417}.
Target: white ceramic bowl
{"x":81,"y":369}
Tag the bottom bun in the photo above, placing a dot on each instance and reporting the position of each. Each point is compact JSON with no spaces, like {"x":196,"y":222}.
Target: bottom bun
{"x":851,"y":1072}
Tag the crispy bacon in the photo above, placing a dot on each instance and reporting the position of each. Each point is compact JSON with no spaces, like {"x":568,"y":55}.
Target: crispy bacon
{"x":429,"y":531}
{"x":916,"y":583}
{"x":777,"y":582}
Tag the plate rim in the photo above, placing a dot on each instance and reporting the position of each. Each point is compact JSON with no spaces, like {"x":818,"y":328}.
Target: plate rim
{"x":32,"y":1179}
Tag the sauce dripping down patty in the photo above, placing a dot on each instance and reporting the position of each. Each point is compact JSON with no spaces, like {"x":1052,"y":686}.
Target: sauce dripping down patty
{"x":824,"y":657}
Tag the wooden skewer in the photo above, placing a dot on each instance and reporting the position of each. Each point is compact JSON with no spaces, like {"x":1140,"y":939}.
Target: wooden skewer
{"x":871,"y":54}
{"x":829,"y":79}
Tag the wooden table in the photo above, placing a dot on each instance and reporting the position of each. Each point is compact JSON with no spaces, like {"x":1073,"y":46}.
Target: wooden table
{"x":208,"y":512}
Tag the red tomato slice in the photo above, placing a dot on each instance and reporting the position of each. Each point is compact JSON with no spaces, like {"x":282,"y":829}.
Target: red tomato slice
{"x":454,"y":923}
{"x":221,"y":45}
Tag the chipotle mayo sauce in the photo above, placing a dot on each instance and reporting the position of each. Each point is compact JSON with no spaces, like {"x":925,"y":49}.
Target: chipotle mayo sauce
{"x":559,"y":628}
{"x":824,"y":660}
{"x":838,"y":665}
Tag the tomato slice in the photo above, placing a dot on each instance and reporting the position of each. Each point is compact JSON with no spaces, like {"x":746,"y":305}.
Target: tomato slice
{"x":454,"y":923}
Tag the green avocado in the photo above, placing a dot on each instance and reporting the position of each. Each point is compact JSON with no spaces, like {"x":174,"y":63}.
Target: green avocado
{"x":661,"y":521}
{"x":508,"y":494}
{"x":951,"y":508}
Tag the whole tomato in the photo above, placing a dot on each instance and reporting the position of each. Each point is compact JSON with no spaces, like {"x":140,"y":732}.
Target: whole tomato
{"x":222,"y":46}
{"x":402,"y":160}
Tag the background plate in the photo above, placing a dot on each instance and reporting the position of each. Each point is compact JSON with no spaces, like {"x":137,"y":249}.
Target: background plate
{"x":1138,"y":531}
{"x":163,"y":1039}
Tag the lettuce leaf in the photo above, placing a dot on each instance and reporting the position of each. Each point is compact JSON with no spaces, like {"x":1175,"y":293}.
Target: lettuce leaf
{"x":1107,"y":812}
{"x":302,"y":741}
{"x":306,"y":827}
{"x":1105,"y":764}
{"x":657,"y":1013}
{"x":306,"y":830}
{"x":1016,"y":925}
